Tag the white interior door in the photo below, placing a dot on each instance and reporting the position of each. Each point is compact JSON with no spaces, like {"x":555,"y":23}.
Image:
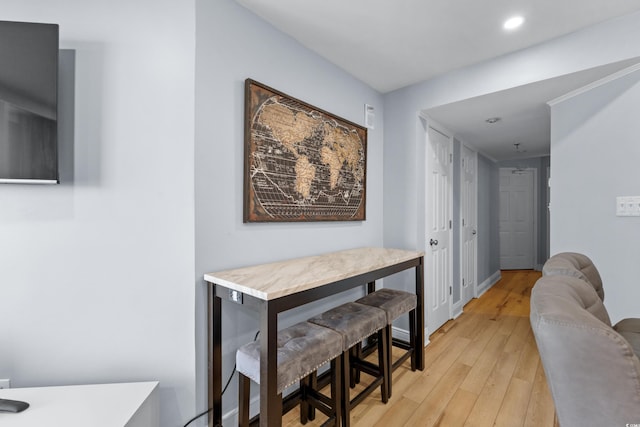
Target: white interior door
{"x":517,"y":241}
{"x":438,"y":227}
{"x":468,"y":223}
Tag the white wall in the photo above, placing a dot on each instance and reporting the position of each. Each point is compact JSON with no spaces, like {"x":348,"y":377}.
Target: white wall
{"x":96,"y":275}
{"x":594,"y":158}
{"x":232,"y":45}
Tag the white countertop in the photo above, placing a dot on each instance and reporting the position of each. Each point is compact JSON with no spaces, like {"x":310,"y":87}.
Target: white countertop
{"x":96,"y":405}
{"x":274,"y":280}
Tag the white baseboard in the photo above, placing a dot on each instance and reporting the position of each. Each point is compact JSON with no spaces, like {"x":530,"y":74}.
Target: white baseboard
{"x":487,"y":284}
{"x":456,"y":310}
{"x":231,"y":417}
{"x":400,"y":333}
{"x":403,"y":334}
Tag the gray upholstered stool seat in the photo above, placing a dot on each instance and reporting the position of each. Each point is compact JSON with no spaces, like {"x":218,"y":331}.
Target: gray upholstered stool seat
{"x":302,"y":349}
{"x":356,"y":322}
{"x":396,"y":303}
{"x":353,"y":321}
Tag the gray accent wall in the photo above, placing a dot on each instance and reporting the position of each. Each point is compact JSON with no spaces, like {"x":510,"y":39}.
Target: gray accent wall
{"x":488,"y":237}
{"x":594,"y":158}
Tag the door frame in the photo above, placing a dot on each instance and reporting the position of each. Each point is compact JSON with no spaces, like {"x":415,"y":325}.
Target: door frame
{"x":535,"y":218}
{"x":548,"y":212}
{"x":428,"y":122}
{"x":460,"y":225}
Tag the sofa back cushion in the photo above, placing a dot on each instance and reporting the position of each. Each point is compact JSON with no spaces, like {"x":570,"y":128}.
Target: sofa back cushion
{"x":575,"y":265}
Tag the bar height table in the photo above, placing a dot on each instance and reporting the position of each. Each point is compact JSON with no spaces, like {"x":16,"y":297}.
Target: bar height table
{"x":280,"y":286}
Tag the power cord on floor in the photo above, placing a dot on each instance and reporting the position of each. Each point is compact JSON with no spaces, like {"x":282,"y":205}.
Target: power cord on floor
{"x":223,"y":390}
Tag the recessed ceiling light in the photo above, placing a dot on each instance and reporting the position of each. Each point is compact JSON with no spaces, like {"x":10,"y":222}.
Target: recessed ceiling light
{"x":492,"y":120}
{"x":513,"y":22}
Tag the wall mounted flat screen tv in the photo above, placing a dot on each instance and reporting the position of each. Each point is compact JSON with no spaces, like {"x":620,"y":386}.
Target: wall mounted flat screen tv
{"x":28,"y":103}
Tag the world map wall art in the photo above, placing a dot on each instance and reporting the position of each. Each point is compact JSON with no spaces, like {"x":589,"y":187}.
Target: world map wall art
{"x":301,"y":163}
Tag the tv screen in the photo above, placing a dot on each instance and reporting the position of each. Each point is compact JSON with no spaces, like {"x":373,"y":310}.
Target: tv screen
{"x":28,"y":102}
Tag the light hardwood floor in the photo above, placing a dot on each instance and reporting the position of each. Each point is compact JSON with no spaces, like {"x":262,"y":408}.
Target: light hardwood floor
{"x":481,"y":369}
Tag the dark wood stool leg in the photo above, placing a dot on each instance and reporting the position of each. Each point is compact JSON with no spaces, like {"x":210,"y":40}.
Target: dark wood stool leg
{"x":383,"y":357}
{"x":336,"y":390}
{"x":346,"y":395}
{"x":304,"y":402}
{"x":389,"y":333}
{"x":355,"y":372}
{"x":412,"y":338}
{"x":244,"y":387}
{"x":313,"y":383}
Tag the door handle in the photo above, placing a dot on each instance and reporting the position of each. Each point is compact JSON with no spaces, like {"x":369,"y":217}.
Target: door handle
{"x":433,"y":242}
{"x":474,"y":232}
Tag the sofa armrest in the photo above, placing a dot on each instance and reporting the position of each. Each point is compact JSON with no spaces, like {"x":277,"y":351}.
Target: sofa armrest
{"x":592,"y":371}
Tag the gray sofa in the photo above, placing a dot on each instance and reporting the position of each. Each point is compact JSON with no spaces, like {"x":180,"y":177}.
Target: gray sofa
{"x":591,"y":369}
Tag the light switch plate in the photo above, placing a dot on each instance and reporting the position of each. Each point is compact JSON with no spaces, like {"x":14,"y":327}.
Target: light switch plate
{"x":628,"y":206}
{"x":369,"y":115}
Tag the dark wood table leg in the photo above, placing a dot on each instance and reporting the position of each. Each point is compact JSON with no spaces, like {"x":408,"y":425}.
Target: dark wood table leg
{"x":420,"y":315}
{"x":214,"y":317}
{"x":270,"y":402}
{"x":371,"y":287}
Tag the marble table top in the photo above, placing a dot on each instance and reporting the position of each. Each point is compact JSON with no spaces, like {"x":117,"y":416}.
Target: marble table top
{"x":277,"y":279}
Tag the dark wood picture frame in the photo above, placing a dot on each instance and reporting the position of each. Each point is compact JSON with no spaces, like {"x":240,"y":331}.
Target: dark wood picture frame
{"x":301,"y":163}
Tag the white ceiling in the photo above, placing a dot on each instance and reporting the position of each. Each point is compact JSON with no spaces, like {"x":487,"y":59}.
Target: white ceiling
{"x":523,"y":112}
{"x":390,"y":44}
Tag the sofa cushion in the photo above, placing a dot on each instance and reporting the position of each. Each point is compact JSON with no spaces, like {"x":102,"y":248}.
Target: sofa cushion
{"x":575,"y":265}
{"x":630,"y":330}
{"x":575,"y":294}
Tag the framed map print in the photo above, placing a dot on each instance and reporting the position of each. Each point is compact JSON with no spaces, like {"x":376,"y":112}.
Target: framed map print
{"x":301,"y":163}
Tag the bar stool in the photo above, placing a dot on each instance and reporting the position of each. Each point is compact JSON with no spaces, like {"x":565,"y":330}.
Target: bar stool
{"x":302,"y":349}
{"x":395,"y":303}
{"x":356,"y":322}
